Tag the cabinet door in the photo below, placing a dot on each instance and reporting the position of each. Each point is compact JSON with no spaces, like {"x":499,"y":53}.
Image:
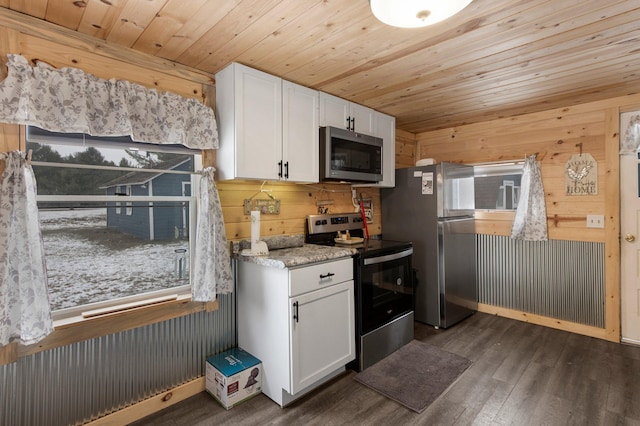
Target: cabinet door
{"x":362,"y":119}
{"x":258,"y":121}
{"x":386,"y":129}
{"x":300,"y":147}
{"x":322,"y":334}
{"x":334,"y":111}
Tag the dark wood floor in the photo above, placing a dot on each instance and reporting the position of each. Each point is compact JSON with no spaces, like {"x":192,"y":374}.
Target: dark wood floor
{"x":522,"y":374}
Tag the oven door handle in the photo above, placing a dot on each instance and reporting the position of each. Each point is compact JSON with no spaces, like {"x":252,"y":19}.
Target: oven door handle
{"x":388,"y":257}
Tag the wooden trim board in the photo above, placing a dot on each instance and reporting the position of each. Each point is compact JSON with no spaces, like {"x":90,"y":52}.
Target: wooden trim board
{"x":113,"y":323}
{"x":152,"y":405}
{"x":38,"y":28}
{"x":558,"y":324}
{"x":612,"y":226}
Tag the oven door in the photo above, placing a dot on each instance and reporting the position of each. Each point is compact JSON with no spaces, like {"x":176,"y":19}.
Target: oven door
{"x":386,"y":289}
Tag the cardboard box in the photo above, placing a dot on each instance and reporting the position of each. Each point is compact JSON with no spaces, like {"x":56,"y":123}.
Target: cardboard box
{"x":233,"y":376}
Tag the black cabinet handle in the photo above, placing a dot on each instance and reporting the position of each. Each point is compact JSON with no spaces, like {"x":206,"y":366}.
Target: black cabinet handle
{"x":280,"y":168}
{"x":348,"y":123}
{"x":330,"y":274}
{"x":353,"y":123}
{"x":295,"y":311}
{"x":286,"y":170}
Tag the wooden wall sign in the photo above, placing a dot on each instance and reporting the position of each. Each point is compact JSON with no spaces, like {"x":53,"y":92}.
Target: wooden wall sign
{"x":581,"y":177}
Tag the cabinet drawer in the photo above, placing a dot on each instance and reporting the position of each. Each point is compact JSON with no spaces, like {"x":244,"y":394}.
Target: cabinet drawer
{"x":321,"y":275}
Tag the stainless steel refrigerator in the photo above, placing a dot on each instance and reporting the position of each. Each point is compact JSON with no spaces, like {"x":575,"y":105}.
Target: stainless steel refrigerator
{"x":433,"y":206}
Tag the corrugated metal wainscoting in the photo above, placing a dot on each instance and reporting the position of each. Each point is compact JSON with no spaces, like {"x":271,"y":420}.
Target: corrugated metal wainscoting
{"x":557,"y":279}
{"x":77,"y":383}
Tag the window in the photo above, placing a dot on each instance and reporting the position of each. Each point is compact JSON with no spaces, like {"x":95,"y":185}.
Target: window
{"x":129,"y":209}
{"x":497,"y":186}
{"x":96,"y":256}
{"x":118,"y":192}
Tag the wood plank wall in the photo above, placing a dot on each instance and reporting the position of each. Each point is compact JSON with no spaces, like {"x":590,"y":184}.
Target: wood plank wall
{"x":405,"y":149}
{"x":554,"y":135}
{"x":296,"y":202}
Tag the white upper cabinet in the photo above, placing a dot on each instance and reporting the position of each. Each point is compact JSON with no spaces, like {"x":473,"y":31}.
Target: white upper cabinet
{"x":300,"y":151}
{"x":385,"y":128}
{"x":362,"y":119}
{"x":338,"y":112}
{"x":249,"y":117}
{"x":264,"y":125}
{"x":334,"y":111}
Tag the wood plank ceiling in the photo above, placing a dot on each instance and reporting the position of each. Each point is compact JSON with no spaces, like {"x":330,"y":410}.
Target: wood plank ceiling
{"x":497,"y":58}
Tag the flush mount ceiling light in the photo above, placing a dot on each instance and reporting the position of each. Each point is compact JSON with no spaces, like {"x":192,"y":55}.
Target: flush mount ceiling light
{"x":415,"y":13}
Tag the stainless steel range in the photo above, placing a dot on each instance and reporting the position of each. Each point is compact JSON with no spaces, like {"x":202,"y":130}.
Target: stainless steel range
{"x":384,"y":285}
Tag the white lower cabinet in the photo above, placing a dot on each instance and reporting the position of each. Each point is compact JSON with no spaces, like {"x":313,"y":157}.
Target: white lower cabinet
{"x":298,"y":322}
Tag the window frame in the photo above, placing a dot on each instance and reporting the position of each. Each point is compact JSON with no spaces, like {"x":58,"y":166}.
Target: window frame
{"x":499,"y":168}
{"x":152,"y":300}
{"x":118,"y":204}
{"x":128,"y":204}
{"x":73,"y":331}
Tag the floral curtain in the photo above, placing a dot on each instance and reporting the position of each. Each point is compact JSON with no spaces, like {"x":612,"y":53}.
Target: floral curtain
{"x":631,"y":139}
{"x":530,"y":222}
{"x":69,"y":100}
{"x":212,"y":267}
{"x":25,"y":315}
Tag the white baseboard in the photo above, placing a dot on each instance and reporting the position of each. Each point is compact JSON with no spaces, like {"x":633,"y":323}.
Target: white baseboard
{"x":630,"y":341}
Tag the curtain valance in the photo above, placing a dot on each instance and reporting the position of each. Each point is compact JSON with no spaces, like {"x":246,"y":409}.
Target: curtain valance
{"x":72,"y":101}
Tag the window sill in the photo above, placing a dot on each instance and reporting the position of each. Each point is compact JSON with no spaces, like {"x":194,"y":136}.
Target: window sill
{"x":495,"y":214}
{"x":494,"y":222}
{"x":76,"y":329}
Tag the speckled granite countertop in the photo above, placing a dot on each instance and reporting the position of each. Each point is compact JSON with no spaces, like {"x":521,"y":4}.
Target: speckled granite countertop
{"x":289,"y":252}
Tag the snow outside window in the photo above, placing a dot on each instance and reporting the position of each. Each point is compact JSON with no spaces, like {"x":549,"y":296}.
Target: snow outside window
{"x":95,"y":255}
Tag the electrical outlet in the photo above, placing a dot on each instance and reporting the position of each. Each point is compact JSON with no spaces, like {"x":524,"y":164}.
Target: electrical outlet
{"x":595,"y":221}
{"x":368,"y":210}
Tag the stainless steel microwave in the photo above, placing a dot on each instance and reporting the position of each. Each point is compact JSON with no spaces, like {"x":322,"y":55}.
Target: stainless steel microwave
{"x":349,"y":156}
